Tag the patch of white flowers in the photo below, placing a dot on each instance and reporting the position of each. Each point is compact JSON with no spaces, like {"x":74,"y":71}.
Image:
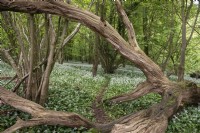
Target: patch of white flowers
{"x":186,"y":77}
{"x":124,"y":80}
{"x":195,"y":80}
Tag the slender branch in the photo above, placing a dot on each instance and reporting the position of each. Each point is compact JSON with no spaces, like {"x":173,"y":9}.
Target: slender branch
{"x":194,"y":28}
{"x":75,"y":31}
{"x":141,"y":90}
{"x":25,"y":35}
{"x":26,"y":76}
{"x":71,"y":35}
{"x":12,"y":62}
{"x":102,"y":11}
{"x":128,"y":24}
{"x":194,"y":25}
{"x":12,"y":79}
{"x":20,"y":82}
{"x":188,"y":9}
{"x":43,"y":88}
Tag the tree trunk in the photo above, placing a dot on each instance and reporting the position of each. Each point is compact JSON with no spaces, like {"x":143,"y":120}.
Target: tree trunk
{"x":181,"y":67}
{"x":42,"y":93}
{"x":146,"y":31}
{"x":64,"y":32}
{"x":169,"y":42}
{"x":95,"y":47}
{"x":184,"y":18}
{"x":34,"y":77}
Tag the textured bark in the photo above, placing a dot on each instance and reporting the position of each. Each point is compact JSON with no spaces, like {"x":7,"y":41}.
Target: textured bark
{"x":32,"y":86}
{"x":39,"y":114}
{"x":64,"y":32}
{"x":141,"y":90}
{"x":42,"y":93}
{"x":155,"y":119}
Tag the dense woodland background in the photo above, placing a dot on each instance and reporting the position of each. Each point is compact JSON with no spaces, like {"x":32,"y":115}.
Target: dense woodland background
{"x":63,"y":65}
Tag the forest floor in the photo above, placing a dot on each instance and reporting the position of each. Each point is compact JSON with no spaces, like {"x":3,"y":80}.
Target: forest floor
{"x":97,"y":106}
{"x":73,"y":89}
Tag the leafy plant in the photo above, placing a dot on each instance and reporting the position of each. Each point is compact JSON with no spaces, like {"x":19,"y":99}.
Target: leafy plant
{"x":73,"y":89}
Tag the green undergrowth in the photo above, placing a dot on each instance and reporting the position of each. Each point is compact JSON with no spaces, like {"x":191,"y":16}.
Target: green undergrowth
{"x":187,"y":121}
{"x":73,"y":89}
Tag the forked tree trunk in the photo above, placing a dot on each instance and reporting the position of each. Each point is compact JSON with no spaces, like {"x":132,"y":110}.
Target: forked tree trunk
{"x":152,"y":120}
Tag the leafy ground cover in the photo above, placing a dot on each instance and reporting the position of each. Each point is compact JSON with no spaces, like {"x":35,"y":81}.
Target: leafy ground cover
{"x":73,"y":89}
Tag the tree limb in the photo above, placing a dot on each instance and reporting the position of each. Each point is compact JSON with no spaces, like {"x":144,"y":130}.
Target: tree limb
{"x":12,"y":62}
{"x":141,"y":90}
{"x":193,"y":27}
{"x":40,"y":114}
{"x":128,"y":24}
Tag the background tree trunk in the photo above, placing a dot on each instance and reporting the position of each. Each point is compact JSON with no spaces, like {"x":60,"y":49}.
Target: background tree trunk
{"x":34,"y":76}
{"x":96,"y":45}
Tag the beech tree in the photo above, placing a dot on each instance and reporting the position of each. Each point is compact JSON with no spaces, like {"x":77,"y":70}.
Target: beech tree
{"x":152,"y":120}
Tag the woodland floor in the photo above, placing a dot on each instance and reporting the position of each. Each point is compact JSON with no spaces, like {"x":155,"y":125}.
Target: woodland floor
{"x":97,"y":106}
{"x":73,"y":89}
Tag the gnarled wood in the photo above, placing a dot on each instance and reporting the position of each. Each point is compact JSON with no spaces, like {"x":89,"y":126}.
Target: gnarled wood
{"x":155,"y":119}
{"x":141,"y":90}
{"x":39,"y":114}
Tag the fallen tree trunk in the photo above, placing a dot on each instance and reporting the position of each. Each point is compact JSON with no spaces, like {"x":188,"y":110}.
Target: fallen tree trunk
{"x":39,"y":114}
